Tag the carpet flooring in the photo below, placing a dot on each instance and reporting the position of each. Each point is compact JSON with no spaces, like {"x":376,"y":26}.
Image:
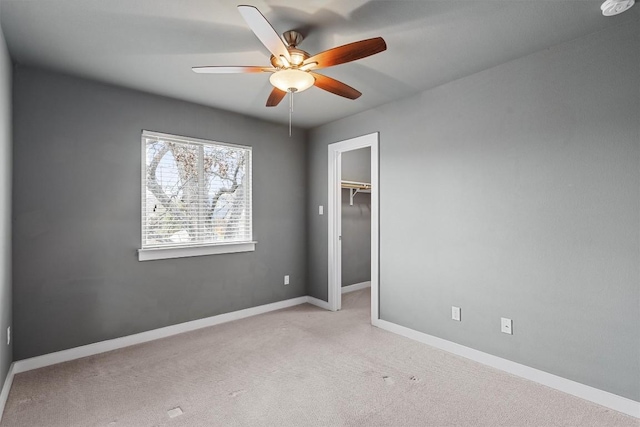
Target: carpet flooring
{"x":301,"y":366}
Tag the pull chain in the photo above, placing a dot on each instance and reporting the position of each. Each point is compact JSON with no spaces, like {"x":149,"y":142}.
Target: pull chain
{"x":291,"y":90}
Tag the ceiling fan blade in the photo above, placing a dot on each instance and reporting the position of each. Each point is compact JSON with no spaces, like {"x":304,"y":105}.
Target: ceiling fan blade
{"x":347,"y":53}
{"x":214,"y":69}
{"x":264,"y":31}
{"x":275,"y":97}
{"x":335,"y":87}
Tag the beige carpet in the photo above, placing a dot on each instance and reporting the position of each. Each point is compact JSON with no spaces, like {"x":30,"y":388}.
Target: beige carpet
{"x":296,"y":367}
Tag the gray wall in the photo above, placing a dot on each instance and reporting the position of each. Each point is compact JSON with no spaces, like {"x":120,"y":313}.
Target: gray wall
{"x":513,"y":192}
{"x":356,"y":219}
{"x":76,"y":207}
{"x":5,"y":207}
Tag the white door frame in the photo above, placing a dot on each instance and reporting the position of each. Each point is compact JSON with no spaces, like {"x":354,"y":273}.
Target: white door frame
{"x":335,"y":219}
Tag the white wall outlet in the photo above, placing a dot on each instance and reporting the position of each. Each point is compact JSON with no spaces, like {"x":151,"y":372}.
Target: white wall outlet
{"x":506,"y":325}
{"x":320,"y":210}
{"x":8,"y":335}
{"x":455,"y":313}
{"x":286,"y":279}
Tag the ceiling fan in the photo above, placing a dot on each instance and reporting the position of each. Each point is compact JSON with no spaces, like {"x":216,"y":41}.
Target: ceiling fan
{"x":292,"y":68}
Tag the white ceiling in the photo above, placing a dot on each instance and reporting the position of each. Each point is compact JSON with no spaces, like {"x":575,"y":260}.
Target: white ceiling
{"x":151,"y":45}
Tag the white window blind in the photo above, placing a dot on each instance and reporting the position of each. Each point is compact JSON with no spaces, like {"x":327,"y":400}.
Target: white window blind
{"x":194,"y":192}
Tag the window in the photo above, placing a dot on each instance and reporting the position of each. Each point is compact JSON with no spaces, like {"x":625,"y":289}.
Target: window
{"x":196,"y":197}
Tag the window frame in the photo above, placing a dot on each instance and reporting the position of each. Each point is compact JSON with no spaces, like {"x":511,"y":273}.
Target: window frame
{"x":181,"y":250}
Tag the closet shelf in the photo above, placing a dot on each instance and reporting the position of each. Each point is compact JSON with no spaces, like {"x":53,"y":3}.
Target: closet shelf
{"x":356,"y":187}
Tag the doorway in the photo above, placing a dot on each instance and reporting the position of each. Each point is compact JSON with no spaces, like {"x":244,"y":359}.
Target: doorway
{"x":336,"y":151}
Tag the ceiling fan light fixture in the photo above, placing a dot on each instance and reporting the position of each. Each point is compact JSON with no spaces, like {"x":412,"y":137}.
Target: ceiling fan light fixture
{"x":284,"y":61}
{"x":297,"y":58}
{"x":615,"y":7}
{"x":292,"y":80}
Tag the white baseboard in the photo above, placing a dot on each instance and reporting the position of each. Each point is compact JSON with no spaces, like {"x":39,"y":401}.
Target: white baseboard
{"x":6,"y":387}
{"x":356,"y":287}
{"x":116,"y":343}
{"x":318,"y":303}
{"x":601,"y":397}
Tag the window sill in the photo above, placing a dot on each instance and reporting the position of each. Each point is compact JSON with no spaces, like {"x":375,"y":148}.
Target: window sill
{"x":189,"y":251}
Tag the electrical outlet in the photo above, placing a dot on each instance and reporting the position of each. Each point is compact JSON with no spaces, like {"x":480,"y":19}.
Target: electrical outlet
{"x":286,"y":279}
{"x":8,"y":335}
{"x":455,"y":313}
{"x":320,"y":210}
{"x":506,"y":325}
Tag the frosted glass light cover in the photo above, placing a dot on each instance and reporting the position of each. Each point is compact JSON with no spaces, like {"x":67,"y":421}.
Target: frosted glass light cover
{"x":292,"y":79}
